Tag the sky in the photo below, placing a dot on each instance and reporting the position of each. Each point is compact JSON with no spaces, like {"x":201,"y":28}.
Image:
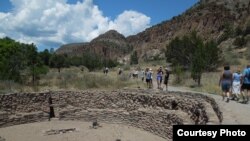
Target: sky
{"x":52,"y":23}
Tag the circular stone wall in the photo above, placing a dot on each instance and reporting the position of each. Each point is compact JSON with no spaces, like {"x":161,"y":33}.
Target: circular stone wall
{"x":148,"y":110}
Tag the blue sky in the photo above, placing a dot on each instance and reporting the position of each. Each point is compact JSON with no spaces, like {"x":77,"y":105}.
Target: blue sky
{"x":158,"y":10}
{"x":53,"y":23}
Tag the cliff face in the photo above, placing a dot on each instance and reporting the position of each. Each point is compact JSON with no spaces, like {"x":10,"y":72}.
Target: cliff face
{"x":74,"y":49}
{"x":209,"y":18}
{"x":111,"y":45}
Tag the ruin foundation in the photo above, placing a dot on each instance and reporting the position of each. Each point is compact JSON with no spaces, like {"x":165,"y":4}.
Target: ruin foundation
{"x":149,"y":110}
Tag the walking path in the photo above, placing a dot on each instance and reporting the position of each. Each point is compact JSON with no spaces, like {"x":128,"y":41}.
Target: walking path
{"x":233,"y":112}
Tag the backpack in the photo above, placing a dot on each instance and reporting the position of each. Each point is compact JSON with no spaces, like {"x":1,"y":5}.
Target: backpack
{"x":248,"y":74}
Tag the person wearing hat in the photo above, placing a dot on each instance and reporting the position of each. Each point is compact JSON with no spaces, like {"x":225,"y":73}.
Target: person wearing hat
{"x":166,"y":78}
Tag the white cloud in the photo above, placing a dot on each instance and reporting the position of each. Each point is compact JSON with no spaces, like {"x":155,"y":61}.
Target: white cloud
{"x":50,"y":23}
{"x":2,"y":35}
{"x":130,"y":22}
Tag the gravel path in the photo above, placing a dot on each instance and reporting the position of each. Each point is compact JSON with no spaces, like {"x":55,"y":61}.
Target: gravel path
{"x":233,"y":112}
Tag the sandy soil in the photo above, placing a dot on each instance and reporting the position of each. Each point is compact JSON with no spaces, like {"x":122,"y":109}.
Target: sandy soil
{"x":108,"y":132}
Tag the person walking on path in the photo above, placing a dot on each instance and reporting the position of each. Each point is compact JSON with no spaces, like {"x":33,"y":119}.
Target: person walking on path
{"x":151,"y":80}
{"x":148,"y":77}
{"x":142,"y":74}
{"x":226,"y":82}
{"x":245,"y":81}
{"x":166,"y":78}
{"x":236,"y":85}
{"x":159,"y":77}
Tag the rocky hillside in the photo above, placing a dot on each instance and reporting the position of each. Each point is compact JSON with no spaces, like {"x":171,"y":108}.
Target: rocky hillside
{"x":111,"y":45}
{"x":209,"y":18}
{"x":72,"y":49}
{"x":221,"y":20}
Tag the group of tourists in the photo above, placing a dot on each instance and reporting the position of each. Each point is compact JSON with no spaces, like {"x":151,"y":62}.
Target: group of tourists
{"x":147,"y":76}
{"x":160,"y":77}
{"x":235,"y":86}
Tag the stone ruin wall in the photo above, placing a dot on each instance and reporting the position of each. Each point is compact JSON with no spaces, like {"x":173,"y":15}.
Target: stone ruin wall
{"x":149,"y":110}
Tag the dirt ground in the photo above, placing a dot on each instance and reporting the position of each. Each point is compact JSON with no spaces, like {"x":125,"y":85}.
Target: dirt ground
{"x":108,"y":132}
{"x":233,"y":113}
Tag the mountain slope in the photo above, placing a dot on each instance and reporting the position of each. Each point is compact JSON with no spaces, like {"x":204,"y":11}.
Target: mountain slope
{"x":208,"y":17}
{"x":111,"y":45}
{"x":219,"y":20}
{"x":72,"y":49}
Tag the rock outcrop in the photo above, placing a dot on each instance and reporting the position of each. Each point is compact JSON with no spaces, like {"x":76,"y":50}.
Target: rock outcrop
{"x":208,"y":18}
{"x":110,"y":45}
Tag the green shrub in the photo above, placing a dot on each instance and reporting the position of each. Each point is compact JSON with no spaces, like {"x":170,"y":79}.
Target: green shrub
{"x":239,"y":42}
{"x":179,"y":73}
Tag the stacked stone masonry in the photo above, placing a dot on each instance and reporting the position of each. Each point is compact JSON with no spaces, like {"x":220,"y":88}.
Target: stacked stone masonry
{"x":149,"y":110}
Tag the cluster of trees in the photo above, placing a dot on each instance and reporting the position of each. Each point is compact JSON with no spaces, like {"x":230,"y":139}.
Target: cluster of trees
{"x":192,"y":53}
{"x":91,"y":60}
{"x":18,"y":59}
{"x":20,"y":62}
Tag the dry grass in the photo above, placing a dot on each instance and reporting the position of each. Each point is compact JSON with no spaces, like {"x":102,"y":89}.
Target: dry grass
{"x":209,"y":80}
{"x":209,"y":83}
{"x":74,"y":79}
